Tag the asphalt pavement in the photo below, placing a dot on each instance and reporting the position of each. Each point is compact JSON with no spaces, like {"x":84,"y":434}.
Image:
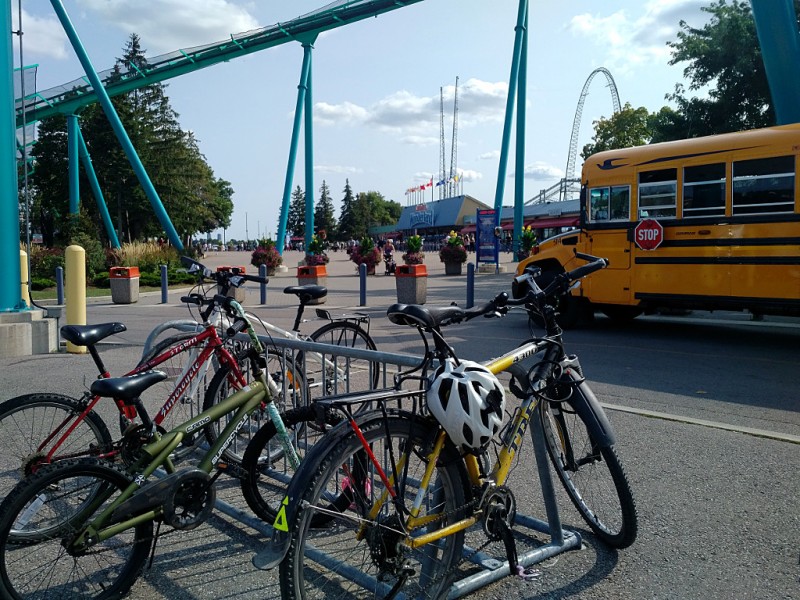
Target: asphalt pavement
{"x":718,"y":506}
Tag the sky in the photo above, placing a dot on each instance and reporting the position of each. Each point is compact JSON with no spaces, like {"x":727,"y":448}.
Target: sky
{"x":377,"y":85}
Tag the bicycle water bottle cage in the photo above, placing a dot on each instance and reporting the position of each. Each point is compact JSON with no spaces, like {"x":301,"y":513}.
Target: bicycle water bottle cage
{"x":89,"y":335}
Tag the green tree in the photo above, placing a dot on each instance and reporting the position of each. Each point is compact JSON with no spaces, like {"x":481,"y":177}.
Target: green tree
{"x":324,"y":217}
{"x":347,"y":220}
{"x":724,"y":58}
{"x":628,"y":127}
{"x":296,"y":221}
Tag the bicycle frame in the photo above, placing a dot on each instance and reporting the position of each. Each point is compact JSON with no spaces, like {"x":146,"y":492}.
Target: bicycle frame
{"x":188,"y":377}
{"x":157,"y":454}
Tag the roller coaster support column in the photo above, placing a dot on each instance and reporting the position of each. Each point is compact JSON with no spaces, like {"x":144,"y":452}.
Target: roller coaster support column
{"x":776,"y":25}
{"x":98,"y":193}
{"x":73,"y":165}
{"x":116,"y":125}
{"x":298,"y":113}
{"x":309,"y":148}
{"x":519,"y":43}
{"x":519,"y":169}
{"x":10,"y":299}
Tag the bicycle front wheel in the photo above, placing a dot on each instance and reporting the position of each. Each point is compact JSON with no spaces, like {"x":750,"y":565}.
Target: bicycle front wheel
{"x":360,"y":552}
{"x":331,"y":374}
{"x":592,"y":475}
{"x":32,"y":425}
{"x":289,"y":390}
{"x":266,"y":470}
{"x":39,"y":521}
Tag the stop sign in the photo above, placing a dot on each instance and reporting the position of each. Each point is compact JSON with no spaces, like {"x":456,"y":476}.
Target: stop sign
{"x":648,"y":234}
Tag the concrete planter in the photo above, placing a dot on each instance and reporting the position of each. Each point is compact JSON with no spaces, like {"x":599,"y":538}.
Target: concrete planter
{"x":313,"y":275}
{"x":124,"y":284}
{"x":412,"y":284}
{"x":452,"y":268}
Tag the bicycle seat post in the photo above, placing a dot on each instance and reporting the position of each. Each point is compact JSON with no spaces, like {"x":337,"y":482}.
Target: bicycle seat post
{"x":300,"y":309}
{"x":97,"y":360}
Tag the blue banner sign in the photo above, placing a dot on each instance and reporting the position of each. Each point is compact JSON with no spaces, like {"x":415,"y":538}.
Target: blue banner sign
{"x":487,"y":245}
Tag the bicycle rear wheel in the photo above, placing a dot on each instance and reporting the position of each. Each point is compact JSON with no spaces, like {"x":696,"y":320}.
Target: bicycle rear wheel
{"x":358,"y":554}
{"x":291,"y":392}
{"x":32,"y":424}
{"x":329,"y":374}
{"x":592,"y":475}
{"x":38,"y":522}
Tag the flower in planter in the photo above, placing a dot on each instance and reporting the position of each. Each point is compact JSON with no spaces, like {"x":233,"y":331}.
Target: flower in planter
{"x":365,"y":252}
{"x":527,"y":240}
{"x":414,"y":254}
{"x":315,"y":254}
{"x":453,"y":250}
{"x":266,"y":254}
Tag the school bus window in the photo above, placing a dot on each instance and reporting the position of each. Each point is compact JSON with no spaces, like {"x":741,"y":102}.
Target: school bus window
{"x":610,"y":203}
{"x":704,"y":191}
{"x":657,"y":193}
{"x":763,"y":185}
{"x":620,"y":202}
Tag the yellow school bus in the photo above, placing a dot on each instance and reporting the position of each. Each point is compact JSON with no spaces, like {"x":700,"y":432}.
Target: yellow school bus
{"x":709,"y":223}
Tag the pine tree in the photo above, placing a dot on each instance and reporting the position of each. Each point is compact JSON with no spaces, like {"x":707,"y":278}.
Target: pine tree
{"x":296,"y":221}
{"x":324,"y":218}
{"x":347,"y":220}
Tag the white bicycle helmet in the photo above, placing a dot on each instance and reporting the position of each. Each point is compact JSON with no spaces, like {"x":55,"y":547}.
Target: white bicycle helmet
{"x":468,"y":401}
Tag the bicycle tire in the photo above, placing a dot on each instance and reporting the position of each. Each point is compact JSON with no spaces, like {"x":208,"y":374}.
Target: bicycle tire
{"x":265,"y":472}
{"x":360,"y":374}
{"x":593,"y":477}
{"x":292,"y":392}
{"x":350,"y":563}
{"x":26,"y":422}
{"x":38,"y":565}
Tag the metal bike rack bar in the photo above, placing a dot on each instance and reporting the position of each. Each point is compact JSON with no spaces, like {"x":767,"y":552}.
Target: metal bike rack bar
{"x":491,"y":568}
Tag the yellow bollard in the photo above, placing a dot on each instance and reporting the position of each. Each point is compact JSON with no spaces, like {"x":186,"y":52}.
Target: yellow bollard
{"x":23,"y":271}
{"x":75,"y":292}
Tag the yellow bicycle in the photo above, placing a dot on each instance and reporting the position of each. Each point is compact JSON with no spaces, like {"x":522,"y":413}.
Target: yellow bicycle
{"x":380,"y":505}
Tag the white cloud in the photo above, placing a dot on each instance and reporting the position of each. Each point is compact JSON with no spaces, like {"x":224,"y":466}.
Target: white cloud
{"x":337,"y":169}
{"x":416,"y":119}
{"x":468,"y":175}
{"x":631,"y":40}
{"x":165,"y":25}
{"x":41,"y":36}
{"x":345,"y":113}
{"x":493,"y":155}
{"x":541,"y":171}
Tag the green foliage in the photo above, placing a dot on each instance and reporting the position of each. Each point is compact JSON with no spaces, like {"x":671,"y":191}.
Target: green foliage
{"x":44,"y":262}
{"x":267,"y":255}
{"x":42,"y":283}
{"x":628,"y":127}
{"x":324,"y":217}
{"x":724,"y":58}
{"x":414,"y":243}
{"x":148,"y":256}
{"x":95,"y":254}
{"x":528,"y":239}
{"x":296,"y":221}
{"x":366,"y":253}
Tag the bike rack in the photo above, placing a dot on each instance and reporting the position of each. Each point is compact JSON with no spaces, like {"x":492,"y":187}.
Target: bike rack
{"x":491,"y":568}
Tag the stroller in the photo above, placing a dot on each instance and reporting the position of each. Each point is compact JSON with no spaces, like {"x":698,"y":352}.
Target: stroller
{"x":388,"y":260}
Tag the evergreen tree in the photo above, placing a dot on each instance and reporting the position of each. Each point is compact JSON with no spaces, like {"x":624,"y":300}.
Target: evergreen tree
{"x":296,"y":221}
{"x":324,"y":217}
{"x":347,"y":220}
{"x":49,"y":189}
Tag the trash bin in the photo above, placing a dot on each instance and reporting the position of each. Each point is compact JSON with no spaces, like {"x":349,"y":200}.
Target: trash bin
{"x":313,"y":275}
{"x":124,"y":284}
{"x":237,"y":294}
{"x":412,"y":284}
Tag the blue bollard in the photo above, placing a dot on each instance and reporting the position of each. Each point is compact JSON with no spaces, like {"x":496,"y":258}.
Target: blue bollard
{"x":60,"y":286}
{"x":164,"y":284}
{"x":470,"y":285}
{"x":262,"y":272}
{"x":362,"y":274}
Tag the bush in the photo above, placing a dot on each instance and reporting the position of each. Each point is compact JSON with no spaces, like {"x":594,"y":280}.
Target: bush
{"x":95,"y":254}
{"x":453,"y":249}
{"x":44,"y":262}
{"x":366,"y":253}
{"x":151,"y":279}
{"x":42,"y":283}
{"x":266,"y":254}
